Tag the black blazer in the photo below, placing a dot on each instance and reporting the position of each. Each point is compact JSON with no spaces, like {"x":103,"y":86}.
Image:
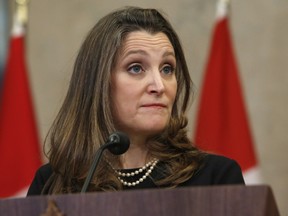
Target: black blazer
{"x":217,"y":170}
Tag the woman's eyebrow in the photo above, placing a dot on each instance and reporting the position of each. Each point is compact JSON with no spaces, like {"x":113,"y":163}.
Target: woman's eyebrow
{"x":138,"y":51}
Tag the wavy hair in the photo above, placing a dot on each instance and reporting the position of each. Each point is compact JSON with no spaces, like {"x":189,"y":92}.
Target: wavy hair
{"x":85,"y":119}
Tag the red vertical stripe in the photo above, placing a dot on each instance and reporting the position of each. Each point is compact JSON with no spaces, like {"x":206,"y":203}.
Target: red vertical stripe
{"x":19,"y":144}
{"x":222,"y":125}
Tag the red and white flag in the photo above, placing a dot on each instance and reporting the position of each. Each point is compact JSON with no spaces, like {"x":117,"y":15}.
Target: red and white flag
{"x":19,"y":144}
{"x":222,"y":124}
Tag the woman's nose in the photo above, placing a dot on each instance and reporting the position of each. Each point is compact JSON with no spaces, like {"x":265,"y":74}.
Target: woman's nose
{"x":156,"y":83}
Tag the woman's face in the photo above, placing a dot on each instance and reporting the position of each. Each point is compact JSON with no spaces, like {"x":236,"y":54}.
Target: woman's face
{"x":144,"y":84}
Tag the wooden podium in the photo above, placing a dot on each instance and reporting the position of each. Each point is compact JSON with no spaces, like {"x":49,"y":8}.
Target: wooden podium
{"x":199,"y":201}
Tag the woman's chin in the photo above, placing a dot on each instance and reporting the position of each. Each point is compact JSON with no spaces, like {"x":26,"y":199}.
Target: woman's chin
{"x":153,"y":130}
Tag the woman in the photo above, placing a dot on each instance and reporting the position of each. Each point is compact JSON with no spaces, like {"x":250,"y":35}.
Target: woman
{"x":131,"y":76}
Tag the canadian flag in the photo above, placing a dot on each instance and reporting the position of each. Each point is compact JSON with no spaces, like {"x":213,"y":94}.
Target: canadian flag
{"x":19,"y":144}
{"x":222,"y":124}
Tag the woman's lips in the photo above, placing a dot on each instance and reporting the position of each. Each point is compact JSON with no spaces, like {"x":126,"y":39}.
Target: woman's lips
{"x":154,"y":105}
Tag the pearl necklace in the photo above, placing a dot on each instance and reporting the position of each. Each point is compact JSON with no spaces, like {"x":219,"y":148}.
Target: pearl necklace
{"x":149,"y":167}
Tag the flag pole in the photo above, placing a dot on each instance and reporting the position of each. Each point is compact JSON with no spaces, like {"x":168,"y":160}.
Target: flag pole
{"x":20,"y":17}
{"x":222,"y":8}
{"x":22,"y":10}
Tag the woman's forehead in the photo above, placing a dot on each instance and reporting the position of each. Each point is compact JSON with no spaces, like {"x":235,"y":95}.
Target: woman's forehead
{"x":138,"y":40}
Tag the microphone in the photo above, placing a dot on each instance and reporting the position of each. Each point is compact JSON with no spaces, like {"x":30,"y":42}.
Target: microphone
{"x":118,"y":143}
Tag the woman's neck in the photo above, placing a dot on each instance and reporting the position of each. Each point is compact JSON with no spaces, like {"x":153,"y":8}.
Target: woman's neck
{"x":136,"y":156}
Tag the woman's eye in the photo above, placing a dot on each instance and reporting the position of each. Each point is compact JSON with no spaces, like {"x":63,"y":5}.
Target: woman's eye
{"x":135,"y":69}
{"x":168,"y":69}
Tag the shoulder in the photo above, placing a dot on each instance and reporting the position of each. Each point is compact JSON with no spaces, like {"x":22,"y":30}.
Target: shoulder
{"x":41,"y":177}
{"x":218,"y":162}
{"x":44,"y":171}
{"x":217,"y":170}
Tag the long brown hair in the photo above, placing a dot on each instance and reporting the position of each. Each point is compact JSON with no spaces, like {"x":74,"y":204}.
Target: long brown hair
{"x":85,"y":120}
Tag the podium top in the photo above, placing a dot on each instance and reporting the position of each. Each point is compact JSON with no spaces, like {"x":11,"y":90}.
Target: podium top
{"x":200,"y":201}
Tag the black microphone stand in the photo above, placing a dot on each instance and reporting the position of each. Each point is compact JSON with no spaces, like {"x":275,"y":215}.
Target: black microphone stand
{"x":94,"y":165}
{"x":118,"y":144}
